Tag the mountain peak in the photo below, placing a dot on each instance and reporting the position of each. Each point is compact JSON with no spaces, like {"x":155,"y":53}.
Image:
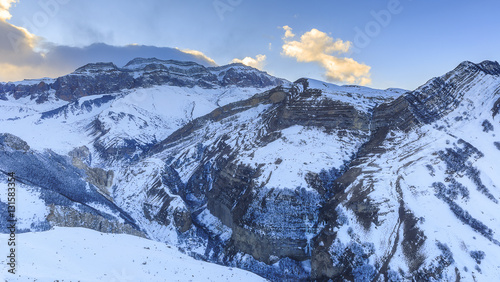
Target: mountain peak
{"x":236,"y":66}
{"x":102,"y":78}
{"x":97,"y":67}
{"x":441,"y":95}
{"x":488,"y":67}
{"x":293,"y":181}
{"x":141,"y":63}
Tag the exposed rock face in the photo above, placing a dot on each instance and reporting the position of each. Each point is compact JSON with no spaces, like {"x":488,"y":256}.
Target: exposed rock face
{"x":396,"y":114}
{"x":442,"y":95}
{"x":90,"y":80}
{"x":65,"y":187}
{"x":102,"y":179}
{"x":9,"y":141}
{"x":306,"y":181}
{"x":309,"y":108}
{"x":160,"y":206}
{"x":103,"y":78}
{"x":69,"y":217}
{"x":276,"y":224}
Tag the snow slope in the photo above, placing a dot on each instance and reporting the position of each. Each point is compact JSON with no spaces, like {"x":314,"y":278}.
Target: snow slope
{"x":425,"y":202}
{"x":146,"y":115}
{"x":79,"y":254}
{"x":363,"y":98}
{"x":307,"y":180}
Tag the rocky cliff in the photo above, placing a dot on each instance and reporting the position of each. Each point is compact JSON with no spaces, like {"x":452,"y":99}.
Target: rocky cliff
{"x":293,"y":181}
{"x":103,"y":78}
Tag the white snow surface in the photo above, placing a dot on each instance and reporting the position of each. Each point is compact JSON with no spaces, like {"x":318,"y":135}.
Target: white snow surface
{"x":362,"y":98}
{"x":146,"y":115}
{"x":79,"y":254}
{"x":151,"y":114}
{"x":299,"y":151}
{"x":404,"y":165}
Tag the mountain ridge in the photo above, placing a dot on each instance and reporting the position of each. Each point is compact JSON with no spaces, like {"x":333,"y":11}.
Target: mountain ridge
{"x":301,"y":181}
{"x":102,"y":78}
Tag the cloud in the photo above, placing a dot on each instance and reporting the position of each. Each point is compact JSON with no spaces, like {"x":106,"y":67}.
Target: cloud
{"x":24,"y":55}
{"x":258,"y":62}
{"x":16,"y":46}
{"x":4,"y":9}
{"x":16,"y":43}
{"x":9,"y":72}
{"x":316,"y":46}
{"x":199,"y":55}
{"x":288,"y":32}
{"x":58,"y":60}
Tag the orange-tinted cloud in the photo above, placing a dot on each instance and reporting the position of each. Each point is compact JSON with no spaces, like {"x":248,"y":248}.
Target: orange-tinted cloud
{"x":316,"y":46}
{"x":24,"y":55}
{"x":288,"y":32}
{"x":258,"y":62}
{"x":198,"y":54}
{"x":4,"y":9}
{"x":17,"y":45}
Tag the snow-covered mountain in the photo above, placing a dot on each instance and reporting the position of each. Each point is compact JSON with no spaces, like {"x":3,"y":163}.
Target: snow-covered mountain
{"x":299,"y":181}
{"x":78,"y":254}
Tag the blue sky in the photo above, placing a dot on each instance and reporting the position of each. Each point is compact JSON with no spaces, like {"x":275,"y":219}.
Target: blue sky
{"x":382,"y":44}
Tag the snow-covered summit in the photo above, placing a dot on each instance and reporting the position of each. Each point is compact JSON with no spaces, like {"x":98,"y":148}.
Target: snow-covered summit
{"x":292,"y":181}
{"x":441,"y":95}
{"x":96,"y":67}
{"x":105,"y":78}
{"x":364,"y":98}
{"x":151,"y":64}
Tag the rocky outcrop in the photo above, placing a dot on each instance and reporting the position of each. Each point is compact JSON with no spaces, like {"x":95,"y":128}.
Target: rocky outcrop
{"x":163,"y":207}
{"x":296,"y":183}
{"x":12,"y":142}
{"x":105,"y":78}
{"x":102,"y":179}
{"x":64,"y":184}
{"x":69,"y":217}
{"x":441,"y":95}
{"x":307,"y":107}
{"x":296,"y":224}
{"x":396,"y":114}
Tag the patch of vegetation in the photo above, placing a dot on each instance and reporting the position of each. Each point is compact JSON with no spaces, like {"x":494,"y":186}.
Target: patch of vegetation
{"x":478,"y":256}
{"x":432,"y":172}
{"x":497,"y":144}
{"x":457,"y":161}
{"x":434,"y":272}
{"x":487,"y":126}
